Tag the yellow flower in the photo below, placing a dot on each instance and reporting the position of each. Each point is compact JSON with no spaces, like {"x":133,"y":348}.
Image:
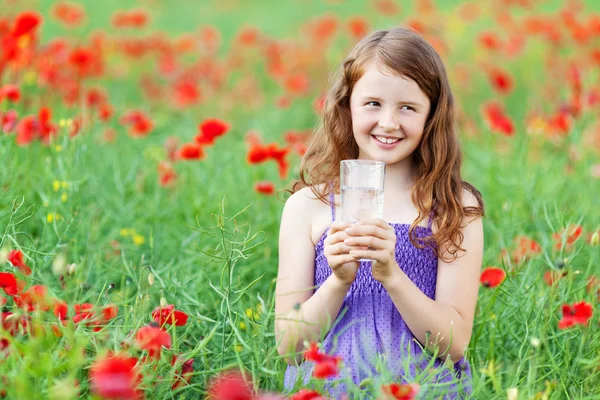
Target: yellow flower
{"x":239,"y":348}
{"x":252,"y":314}
{"x":58,"y":148}
{"x":64,"y":197}
{"x":125,"y":232}
{"x":51,"y":217}
{"x":138,"y":239}
{"x":56,"y":185}
{"x":243,"y":326}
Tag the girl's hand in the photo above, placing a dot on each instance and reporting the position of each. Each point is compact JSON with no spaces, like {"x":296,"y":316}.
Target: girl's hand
{"x":379,"y":239}
{"x":343,"y":265}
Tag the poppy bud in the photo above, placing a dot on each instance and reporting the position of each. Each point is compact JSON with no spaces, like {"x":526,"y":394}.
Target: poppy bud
{"x":595,"y":239}
{"x":150,"y":279}
{"x":163,"y":302}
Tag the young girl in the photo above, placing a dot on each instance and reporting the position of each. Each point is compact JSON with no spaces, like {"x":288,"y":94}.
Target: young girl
{"x":390,"y":102}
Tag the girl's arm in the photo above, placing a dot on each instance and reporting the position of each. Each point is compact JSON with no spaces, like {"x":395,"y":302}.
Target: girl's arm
{"x":299,"y":314}
{"x":448,"y":318}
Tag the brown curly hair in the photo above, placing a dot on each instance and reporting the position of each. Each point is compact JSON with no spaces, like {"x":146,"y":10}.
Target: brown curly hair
{"x":438,"y":188}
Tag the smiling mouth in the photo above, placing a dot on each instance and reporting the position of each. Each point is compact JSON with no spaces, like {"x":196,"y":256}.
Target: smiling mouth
{"x":385,"y":140}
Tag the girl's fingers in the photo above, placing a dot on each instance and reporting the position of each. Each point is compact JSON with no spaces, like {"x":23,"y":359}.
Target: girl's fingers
{"x":343,"y":259}
{"x":369,"y":230}
{"x":340,"y":249}
{"x":366,"y":241}
{"x":368,"y":254}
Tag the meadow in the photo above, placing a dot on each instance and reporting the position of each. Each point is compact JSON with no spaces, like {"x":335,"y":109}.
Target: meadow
{"x":146,"y":147}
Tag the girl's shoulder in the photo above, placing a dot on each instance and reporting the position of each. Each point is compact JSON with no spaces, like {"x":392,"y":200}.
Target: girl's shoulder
{"x":311,"y":210}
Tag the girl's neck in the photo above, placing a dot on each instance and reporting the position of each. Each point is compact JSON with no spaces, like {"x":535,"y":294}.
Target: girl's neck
{"x":400,"y":177}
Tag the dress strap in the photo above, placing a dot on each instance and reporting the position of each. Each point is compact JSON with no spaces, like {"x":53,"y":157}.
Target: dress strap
{"x":332,"y":201}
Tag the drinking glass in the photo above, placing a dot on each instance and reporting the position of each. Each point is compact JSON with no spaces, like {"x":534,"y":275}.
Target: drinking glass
{"x":361,"y":186}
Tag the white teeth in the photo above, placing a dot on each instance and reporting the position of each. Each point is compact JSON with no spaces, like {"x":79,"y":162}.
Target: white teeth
{"x":386,"y":140}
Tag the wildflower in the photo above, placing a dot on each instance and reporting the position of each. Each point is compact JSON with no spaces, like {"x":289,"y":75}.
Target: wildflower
{"x":230,"y":385}
{"x":265,"y":187}
{"x":358,"y":27}
{"x":152,"y":339}
{"x":306,"y":394}
{"x":326,"y":366}
{"x":577,"y":314}
{"x":497,"y":119}
{"x":400,"y":391}
{"x":501,"y":81}
{"x":8,"y":282}
{"x":191,"y":151}
{"x":595,"y":238}
{"x":168,"y":315}
{"x":138,"y":239}
{"x":15,"y":257}
{"x":211,"y":129}
{"x":512,"y":393}
{"x":492,"y":277}
{"x":51,"y":217}
{"x":10,"y":92}
{"x":139,"y":123}
{"x":571,"y":234}
{"x":184,"y":376}
{"x":115,"y":377}
{"x":69,"y":14}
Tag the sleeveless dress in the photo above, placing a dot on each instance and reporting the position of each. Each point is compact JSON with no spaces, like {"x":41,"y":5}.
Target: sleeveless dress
{"x":370,"y":330}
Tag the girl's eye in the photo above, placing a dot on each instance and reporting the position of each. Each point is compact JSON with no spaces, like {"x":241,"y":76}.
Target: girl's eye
{"x":407,"y":108}
{"x":373,"y":103}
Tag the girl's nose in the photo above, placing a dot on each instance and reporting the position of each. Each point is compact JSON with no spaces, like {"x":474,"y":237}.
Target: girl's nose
{"x":388,"y":124}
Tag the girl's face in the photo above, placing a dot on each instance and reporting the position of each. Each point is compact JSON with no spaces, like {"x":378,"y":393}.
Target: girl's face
{"x":388,"y":115}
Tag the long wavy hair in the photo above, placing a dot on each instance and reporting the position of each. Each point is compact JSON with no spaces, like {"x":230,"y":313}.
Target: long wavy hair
{"x":438,"y":188}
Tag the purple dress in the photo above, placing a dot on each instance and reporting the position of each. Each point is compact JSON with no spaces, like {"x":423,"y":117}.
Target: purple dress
{"x":369,"y":326}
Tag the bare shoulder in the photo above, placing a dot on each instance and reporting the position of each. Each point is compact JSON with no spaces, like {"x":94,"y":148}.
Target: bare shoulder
{"x":308,"y":212}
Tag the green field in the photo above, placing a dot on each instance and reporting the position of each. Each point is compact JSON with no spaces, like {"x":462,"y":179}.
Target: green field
{"x":96,"y":225}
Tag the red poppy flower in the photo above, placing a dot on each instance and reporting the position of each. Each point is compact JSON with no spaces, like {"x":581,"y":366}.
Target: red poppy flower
{"x":130,"y":19}
{"x":167,"y":173}
{"x":8,"y":282}
{"x":326,"y":369}
{"x":492,"y":277}
{"x":69,"y":14}
{"x":386,"y":7}
{"x":265,"y":187}
{"x":526,"y":248}
{"x":168,"y":315}
{"x":115,"y":377}
{"x":358,"y":27}
{"x":83,"y":312}
{"x":15,"y":257}
{"x":306,"y":394}
{"x":61,"y":310}
{"x":577,"y":314}
{"x":497,"y":120}
{"x":211,"y":129}
{"x":10,"y":92}
{"x":191,"y":151}
{"x":501,"y":81}
{"x":152,"y":339}
{"x":184,"y":376}
{"x":400,"y":391}
{"x":139,"y":123}
{"x":572,"y":233}
{"x":26,"y":130}
{"x":296,"y":84}
{"x":35,"y":297}
{"x":489,"y":40}
{"x":109,"y":312}
{"x":26,"y":23}
{"x":8,"y":121}
{"x":230,"y":385}
{"x":186,"y":93}
{"x":247,"y":36}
